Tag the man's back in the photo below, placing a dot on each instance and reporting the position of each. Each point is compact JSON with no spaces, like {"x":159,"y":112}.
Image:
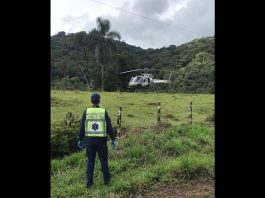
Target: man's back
{"x":95,"y":140}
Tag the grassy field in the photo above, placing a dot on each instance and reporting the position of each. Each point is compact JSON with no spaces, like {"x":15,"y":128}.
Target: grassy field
{"x":138,"y":109}
{"x":146,"y":156}
{"x":143,"y":159}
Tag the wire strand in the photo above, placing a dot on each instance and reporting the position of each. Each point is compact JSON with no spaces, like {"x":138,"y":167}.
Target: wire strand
{"x":178,"y":27}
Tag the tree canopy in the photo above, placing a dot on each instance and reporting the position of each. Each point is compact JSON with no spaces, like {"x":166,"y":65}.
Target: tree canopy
{"x":77,"y":60}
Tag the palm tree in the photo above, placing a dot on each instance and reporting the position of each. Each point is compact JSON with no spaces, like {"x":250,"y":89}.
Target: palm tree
{"x":102,"y":44}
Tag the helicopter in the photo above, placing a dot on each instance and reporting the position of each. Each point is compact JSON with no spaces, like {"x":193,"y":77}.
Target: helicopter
{"x":144,"y":80}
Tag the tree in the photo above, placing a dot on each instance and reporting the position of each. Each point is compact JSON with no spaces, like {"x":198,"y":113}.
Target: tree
{"x":102,"y":44}
{"x":193,"y":63}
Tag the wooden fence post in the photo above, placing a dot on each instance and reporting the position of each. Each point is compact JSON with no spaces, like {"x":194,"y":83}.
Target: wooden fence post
{"x":158,"y":114}
{"x":69,"y":118}
{"x":119,"y":121}
{"x":190,"y":109}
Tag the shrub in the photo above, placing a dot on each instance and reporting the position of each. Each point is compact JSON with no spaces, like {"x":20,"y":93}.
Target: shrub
{"x":63,"y":139}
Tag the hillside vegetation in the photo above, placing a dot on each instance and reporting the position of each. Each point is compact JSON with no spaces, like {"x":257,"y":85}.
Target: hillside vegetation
{"x":142,"y":159}
{"x":73,"y":64}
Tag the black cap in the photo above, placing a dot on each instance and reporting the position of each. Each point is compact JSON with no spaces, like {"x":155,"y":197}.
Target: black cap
{"x":95,"y":97}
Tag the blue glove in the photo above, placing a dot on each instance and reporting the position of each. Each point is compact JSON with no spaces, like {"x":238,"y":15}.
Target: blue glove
{"x":80,"y":144}
{"x":114,"y":144}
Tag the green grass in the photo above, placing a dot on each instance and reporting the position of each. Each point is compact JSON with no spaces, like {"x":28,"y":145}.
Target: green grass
{"x":146,"y":156}
{"x":141,"y":160}
{"x":138,"y":109}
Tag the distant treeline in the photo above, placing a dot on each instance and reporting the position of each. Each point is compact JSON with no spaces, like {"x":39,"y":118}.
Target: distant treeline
{"x":74,"y":66}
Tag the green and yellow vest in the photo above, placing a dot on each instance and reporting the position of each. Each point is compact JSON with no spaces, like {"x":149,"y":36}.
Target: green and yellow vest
{"x":95,"y":123}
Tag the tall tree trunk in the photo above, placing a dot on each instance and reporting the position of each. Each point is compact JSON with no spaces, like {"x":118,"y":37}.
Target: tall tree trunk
{"x":102,"y":63}
{"x":84,"y":75}
{"x":102,"y":78}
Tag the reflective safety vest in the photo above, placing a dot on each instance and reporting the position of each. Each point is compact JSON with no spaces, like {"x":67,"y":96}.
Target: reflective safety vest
{"x":95,"y":124}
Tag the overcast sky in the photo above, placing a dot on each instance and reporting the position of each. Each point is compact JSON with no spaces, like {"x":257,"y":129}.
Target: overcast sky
{"x":142,"y":23}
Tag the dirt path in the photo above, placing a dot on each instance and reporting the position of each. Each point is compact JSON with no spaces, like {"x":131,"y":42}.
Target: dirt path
{"x":193,"y":189}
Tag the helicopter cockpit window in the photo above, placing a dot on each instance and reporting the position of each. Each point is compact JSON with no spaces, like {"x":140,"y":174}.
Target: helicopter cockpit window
{"x":138,"y":79}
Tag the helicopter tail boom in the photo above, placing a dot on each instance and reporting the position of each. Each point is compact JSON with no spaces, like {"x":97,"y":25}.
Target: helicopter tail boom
{"x":160,"y":81}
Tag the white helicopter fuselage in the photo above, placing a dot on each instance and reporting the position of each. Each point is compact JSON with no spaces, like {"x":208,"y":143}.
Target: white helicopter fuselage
{"x":142,"y":80}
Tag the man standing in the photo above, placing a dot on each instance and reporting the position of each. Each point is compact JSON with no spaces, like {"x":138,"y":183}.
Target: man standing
{"x":95,"y":125}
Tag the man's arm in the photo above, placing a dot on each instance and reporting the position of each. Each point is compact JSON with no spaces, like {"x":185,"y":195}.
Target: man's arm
{"x":109,"y":126}
{"x":81,"y":133}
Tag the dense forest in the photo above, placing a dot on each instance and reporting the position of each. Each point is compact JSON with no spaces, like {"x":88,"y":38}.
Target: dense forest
{"x":74,"y":64}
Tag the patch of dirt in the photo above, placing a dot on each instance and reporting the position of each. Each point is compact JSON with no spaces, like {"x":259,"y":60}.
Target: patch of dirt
{"x":130,"y":115}
{"x":56,"y":101}
{"x":151,"y":103}
{"x":169,"y":116}
{"x":193,"y":189}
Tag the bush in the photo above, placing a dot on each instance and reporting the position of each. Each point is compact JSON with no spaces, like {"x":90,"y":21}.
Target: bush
{"x":63,"y":139}
{"x":211,"y":118}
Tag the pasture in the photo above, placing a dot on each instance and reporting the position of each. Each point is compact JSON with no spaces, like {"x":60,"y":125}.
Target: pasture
{"x":138,"y":109}
{"x":146,"y":157}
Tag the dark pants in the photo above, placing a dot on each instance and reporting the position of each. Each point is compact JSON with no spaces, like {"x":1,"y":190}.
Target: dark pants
{"x":102,"y":151}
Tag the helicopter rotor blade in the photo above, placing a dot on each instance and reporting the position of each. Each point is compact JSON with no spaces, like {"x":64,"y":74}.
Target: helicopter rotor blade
{"x":145,"y":70}
{"x":159,"y":70}
{"x":131,"y":71}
